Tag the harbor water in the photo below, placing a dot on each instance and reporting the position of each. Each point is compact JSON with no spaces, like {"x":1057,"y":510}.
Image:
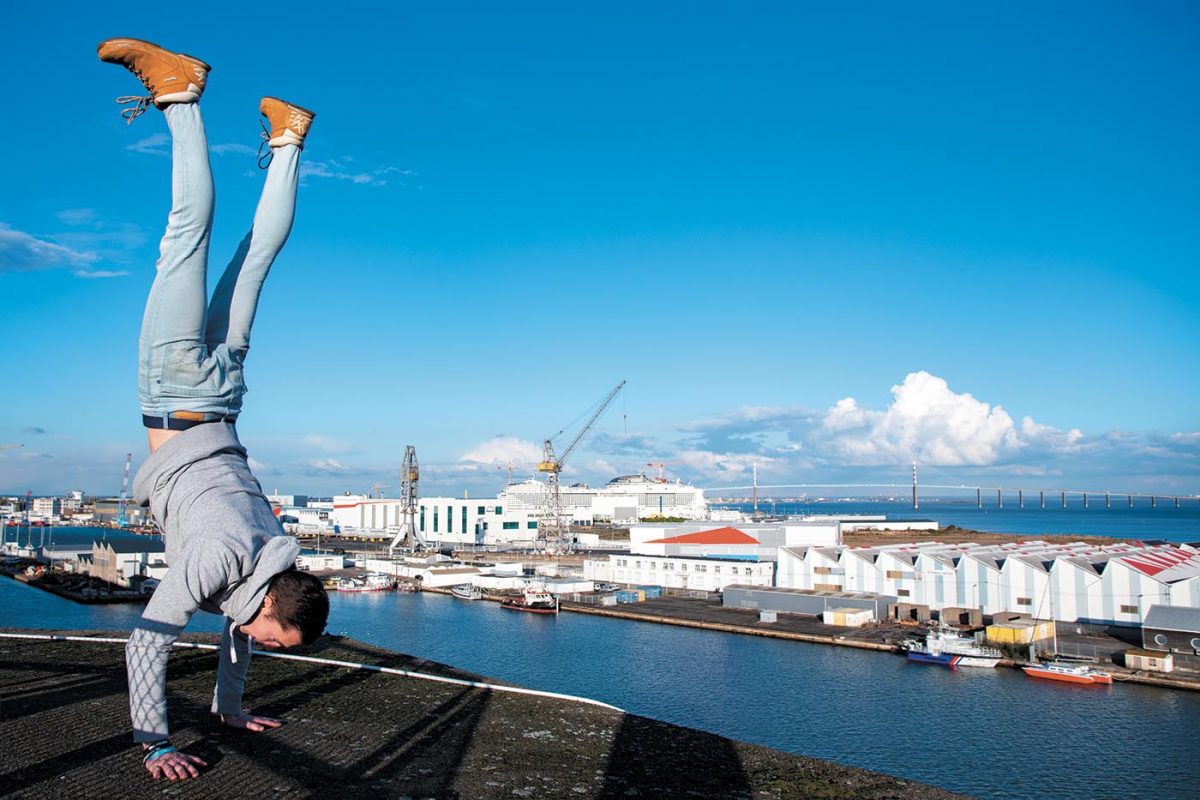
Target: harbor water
{"x":988,"y":733}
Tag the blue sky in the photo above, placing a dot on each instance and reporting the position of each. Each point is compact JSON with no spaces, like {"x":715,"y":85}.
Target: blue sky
{"x":825,"y":239}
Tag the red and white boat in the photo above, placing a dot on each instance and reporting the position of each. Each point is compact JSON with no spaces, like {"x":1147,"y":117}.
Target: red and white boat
{"x":537,"y":601}
{"x":1067,"y":673}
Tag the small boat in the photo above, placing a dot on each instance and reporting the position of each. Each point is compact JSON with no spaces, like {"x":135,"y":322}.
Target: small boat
{"x":943,"y":645}
{"x":370,"y":583}
{"x":1067,"y":672}
{"x":537,"y":601}
{"x":407,"y":587}
{"x":467,"y":591}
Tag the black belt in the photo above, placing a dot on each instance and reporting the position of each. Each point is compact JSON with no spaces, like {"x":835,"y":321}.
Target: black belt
{"x":182,"y":421}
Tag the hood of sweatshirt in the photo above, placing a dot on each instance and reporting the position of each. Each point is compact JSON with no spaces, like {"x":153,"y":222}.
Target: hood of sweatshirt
{"x":243,"y":601}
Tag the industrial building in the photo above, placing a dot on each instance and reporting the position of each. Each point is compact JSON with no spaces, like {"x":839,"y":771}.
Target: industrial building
{"x":1076,"y":582}
{"x":705,"y":556}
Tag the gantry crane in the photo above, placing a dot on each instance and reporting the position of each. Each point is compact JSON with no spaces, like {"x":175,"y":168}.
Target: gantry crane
{"x":551,"y":529}
{"x":410,"y":475}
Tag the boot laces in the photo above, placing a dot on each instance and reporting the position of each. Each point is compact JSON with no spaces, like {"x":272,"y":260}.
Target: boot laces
{"x":265,"y":153}
{"x":139,"y":107}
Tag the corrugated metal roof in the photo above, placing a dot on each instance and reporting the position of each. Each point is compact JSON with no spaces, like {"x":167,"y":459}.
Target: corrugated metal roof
{"x":1173,"y":618}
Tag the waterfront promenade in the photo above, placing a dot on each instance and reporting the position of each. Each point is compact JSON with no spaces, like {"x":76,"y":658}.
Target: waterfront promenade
{"x":352,"y":733}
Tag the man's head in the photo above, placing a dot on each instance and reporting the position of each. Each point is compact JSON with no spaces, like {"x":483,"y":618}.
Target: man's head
{"x":292,"y":613}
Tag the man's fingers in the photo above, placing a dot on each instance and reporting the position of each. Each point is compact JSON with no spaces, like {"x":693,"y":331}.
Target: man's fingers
{"x":197,"y":760}
{"x":253,"y":726}
{"x":270,"y":722}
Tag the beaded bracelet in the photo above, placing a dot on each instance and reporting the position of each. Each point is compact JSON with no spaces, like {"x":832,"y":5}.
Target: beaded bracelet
{"x":156,"y":749}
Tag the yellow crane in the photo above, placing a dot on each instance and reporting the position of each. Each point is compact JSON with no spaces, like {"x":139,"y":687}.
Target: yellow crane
{"x":551,"y":526}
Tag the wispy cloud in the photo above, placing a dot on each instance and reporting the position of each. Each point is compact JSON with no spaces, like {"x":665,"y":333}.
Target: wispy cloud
{"x":100,"y":273}
{"x":329,"y":466}
{"x":158,"y":144}
{"x":233,"y":147}
{"x":77,"y":216}
{"x":33,"y":430}
{"x":23,"y":252}
{"x":341,"y":170}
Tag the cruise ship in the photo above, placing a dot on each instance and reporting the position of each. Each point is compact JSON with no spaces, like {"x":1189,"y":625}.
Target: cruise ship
{"x":512,"y":516}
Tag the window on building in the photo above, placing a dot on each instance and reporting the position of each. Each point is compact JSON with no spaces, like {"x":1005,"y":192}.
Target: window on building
{"x":449,"y":519}
{"x":1160,"y":639}
{"x":637,"y":565}
{"x":531,"y":524}
{"x":499,"y":510}
{"x":481,"y":510}
{"x":902,"y":592}
{"x":1024,"y":601}
{"x":683,"y":567}
{"x":511,"y":526}
{"x":749,"y":570}
{"x":1196,"y":644}
{"x":422,"y":519}
{"x":435,"y":519}
{"x":1129,"y":609}
{"x":653,"y":565}
{"x":717,"y":570}
{"x":821,"y":570}
{"x":893,"y":574}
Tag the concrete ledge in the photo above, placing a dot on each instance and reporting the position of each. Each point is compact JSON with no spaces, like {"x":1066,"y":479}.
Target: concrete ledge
{"x":352,"y":733}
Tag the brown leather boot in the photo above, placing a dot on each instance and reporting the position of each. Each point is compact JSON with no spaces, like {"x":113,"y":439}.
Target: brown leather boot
{"x":169,"y":77}
{"x":289,"y":123}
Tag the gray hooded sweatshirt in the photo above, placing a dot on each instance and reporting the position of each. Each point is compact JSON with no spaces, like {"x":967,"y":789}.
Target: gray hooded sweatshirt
{"x":223,"y":546}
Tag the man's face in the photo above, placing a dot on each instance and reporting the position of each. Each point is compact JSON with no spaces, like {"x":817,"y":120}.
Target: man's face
{"x":268,"y":633}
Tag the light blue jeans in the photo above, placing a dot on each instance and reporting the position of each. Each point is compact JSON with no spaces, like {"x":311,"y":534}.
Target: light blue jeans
{"x":191,"y":351}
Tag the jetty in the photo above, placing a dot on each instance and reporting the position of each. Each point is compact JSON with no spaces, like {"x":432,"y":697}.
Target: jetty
{"x":356,"y":733}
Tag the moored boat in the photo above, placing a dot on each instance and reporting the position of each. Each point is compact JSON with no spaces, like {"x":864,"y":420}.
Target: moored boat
{"x":537,"y":601}
{"x":467,"y":591}
{"x":943,"y":645}
{"x":370,"y":583}
{"x":1067,"y":673}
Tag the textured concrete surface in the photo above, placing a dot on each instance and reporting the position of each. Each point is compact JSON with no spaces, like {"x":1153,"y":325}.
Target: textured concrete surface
{"x":64,"y":732}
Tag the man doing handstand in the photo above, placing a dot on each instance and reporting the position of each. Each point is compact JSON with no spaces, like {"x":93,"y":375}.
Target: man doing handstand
{"x":226,"y":550}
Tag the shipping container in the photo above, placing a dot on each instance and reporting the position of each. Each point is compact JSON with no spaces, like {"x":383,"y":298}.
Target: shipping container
{"x":1020,"y":632}
{"x":849,"y":617}
{"x":650,"y":592}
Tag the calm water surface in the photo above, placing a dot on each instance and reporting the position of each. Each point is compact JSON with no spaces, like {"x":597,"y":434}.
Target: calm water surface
{"x":990,"y":733}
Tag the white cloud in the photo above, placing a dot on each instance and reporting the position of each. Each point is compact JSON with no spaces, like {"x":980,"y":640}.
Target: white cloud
{"x":158,"y":144}
{"x":339,"y":170}
{"x":100,"y":273}
{"x":504,"y":450}
{"x":721,"y":466}
{"x":329,"y":466}
{"x":77,"y":216}
{"x":233,"y":147}
{"x":926,"y":422}
{"x":22,"y":252}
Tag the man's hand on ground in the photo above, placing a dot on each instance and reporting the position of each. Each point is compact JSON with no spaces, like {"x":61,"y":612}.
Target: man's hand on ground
{"x":175,"y":766}
{"x":250,"y":722}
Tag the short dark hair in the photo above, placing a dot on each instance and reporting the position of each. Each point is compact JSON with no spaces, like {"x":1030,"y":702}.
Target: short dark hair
{"x":300,"y":603}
